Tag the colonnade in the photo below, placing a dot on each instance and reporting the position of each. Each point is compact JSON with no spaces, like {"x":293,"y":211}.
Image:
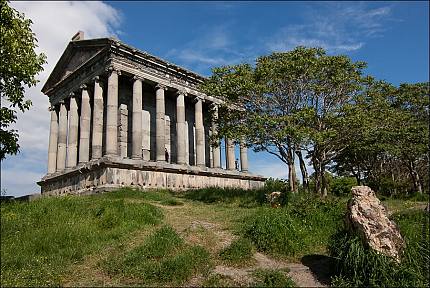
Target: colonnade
{"x":70,"y":133}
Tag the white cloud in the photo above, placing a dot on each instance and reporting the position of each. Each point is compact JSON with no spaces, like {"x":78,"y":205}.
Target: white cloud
{"x":54,"y":24}
{"x":336,"y":27}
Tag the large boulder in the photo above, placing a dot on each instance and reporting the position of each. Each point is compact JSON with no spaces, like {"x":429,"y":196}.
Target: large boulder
{"x":369,"y":219}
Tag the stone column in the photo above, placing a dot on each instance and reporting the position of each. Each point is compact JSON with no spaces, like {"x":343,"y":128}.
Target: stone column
{"x":229,"y":153}
{"x":53,"y":141}
{"x":112,"y":114}
{"x":181,"y":128}
{"x":243,"y":156}
{"x":216,"y":149}
{"x":62,"y":137}
{"x":97,"y":141}
{"x":85,"y":122}
{"x":200,"y":142}
{"x":136,"y":145}
{"x":72,"y":141}
{"x":160,"y":123}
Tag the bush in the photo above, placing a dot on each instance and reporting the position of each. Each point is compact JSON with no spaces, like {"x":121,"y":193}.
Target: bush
{"x":341,"y":186}
{"x":238,"y":251}
{"x":272,"y":185}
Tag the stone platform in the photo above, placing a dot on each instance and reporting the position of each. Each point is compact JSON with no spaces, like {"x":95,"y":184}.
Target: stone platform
{"x":111,"y":173}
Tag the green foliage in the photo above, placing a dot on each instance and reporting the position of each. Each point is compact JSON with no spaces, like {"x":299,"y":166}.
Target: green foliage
{"x":163,"y":257}
{"x":41,"y":238}
{"x":359,"y":265}
{"x":302,"y":227}
{"x":18,"y":67}
{"x":272,"y":278}
{"x":241,"y":197}
{"x":271,"y":185}
{"x":341,"y":186}
{"x":239,"y":251}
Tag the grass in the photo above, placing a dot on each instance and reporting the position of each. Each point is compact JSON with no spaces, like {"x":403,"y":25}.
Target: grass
{"x":239,"y":251}
{"x":272,"y":278}
{"x":163,"y":258}
{"x":40,"y":239}
{"x":302,"y":227}
{"x":125,"y":237}
{"x":358,"y":265}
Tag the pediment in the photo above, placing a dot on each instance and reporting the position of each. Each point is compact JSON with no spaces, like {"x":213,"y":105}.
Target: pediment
{"x":76,"y":54}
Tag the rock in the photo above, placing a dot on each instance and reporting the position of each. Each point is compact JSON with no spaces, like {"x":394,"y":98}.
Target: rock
{"x":273,"y":199}
{"x":368,"y":218}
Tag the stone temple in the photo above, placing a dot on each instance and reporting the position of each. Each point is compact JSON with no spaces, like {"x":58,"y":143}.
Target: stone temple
{"x":122,"y":117}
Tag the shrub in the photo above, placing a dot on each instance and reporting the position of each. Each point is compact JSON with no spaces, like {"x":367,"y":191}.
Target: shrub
{"x":340,"y":186}
{"x":239,"y":250}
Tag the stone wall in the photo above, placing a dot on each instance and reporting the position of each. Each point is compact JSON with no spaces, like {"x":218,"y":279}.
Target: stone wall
{"x":107,"y":174}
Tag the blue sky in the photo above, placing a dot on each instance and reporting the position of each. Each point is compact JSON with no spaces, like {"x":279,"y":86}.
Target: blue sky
{"x":392,"y":37}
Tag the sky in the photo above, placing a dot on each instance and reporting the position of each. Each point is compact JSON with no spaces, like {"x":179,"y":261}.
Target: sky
{"x":392,"y":37}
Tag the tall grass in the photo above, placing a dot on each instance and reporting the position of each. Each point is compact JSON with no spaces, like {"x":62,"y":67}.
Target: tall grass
{"x":303,"y":227}
{"x":359,"y":265}
{"x":40,"y":239}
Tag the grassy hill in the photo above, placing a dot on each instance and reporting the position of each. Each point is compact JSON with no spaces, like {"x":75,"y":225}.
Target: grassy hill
{"x":209,"y":237}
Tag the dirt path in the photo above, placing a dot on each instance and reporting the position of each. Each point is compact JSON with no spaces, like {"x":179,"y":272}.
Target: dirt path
{"x":199,"y":228}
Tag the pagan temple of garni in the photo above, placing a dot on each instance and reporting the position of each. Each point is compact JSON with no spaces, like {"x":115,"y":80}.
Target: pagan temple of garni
{"x":122,"y":117}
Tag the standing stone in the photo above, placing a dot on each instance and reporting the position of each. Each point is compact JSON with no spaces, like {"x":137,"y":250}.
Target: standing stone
{"x":160,"y":122}
{"x":97,"y":138}
{"x":84,"y":140}
{"x":216,"y":149}
{"x":112,"y":114}
{"x":230,"y":154}
{"x":180,"y":127}
{"x":137,"y":119}
{"x":200,"y":142}
{"x":53,"y":141}
{"x":72,"y":141}
{"x":243,"y":157}
{"x":367,"y":218}
{"x":62,"y":138}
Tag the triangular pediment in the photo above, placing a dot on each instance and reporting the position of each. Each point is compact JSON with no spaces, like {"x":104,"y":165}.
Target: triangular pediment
{"x":76,"y":54}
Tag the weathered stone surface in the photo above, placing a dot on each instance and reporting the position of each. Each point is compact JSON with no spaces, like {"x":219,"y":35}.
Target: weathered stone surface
{"x":368,"y":218}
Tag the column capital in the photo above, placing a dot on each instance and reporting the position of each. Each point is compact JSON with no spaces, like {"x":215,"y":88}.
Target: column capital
{"x":138,"y":78}
{"x":161,"y":86}
{"x":181,"y":92}
{"x":83,"y":87}
{"x":198,"y":98}
{"x":61,"y":102}
{"x":111,"y":69}
{"x":72,"y":95}
{"x":52,"y":108}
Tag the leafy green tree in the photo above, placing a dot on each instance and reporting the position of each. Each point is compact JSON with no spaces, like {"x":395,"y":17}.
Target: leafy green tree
{"x":287,"y":103}
{"x":18,"y":67}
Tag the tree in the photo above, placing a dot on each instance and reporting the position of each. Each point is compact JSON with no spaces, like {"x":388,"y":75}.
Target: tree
{"x":18,"y":67}
{"x":287,"y":103}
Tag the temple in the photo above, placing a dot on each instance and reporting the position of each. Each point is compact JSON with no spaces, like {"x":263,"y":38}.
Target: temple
{"x":122,"y":117}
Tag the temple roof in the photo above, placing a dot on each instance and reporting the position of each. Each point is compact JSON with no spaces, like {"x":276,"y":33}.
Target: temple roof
{"x":79,"y":52}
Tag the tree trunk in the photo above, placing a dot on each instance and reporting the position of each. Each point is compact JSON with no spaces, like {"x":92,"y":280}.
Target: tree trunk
{"x":303,"y":170}
{"x":415,"y":178}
